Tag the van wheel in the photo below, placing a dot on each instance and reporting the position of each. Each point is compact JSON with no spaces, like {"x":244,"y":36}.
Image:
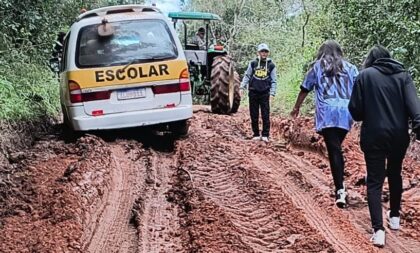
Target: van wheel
{"x":224,"y":91}
{"x":180,"y":128}
{"x":69,"y":135}
{"x":66,"y":121}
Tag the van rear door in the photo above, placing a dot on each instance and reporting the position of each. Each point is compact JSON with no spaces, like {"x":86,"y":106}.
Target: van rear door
{"x":134,"y":69}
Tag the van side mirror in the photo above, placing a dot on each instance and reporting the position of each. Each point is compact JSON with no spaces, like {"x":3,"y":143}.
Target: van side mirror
{"x":55,"y":65}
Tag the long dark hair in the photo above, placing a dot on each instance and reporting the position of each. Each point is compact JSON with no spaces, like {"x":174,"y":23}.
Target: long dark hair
{"x":375,"y":53}
{"x":331,"y":56}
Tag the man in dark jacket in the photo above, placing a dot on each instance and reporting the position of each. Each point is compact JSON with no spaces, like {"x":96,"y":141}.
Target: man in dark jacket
{"x":260,"y":79}
{"x":384,"y":98}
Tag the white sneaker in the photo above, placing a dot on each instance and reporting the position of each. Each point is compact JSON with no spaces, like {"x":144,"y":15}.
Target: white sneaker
{"x":378,"y":238}
{"x":341,"y":198}
{"x":393,"y":222}
{"x":256,"y":138}
{"x":265,"y":139}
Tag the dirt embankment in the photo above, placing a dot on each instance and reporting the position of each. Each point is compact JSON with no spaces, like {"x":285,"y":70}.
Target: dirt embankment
{"x":18,"y":136}
{"x":214,"y":191}
{"x":92,"y":195}
{"x":43,"y":209}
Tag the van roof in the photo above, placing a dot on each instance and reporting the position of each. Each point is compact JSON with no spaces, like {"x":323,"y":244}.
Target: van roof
{"x":101,"y":12}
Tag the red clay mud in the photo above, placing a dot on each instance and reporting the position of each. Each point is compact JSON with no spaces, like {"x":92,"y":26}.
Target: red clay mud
{"x":213,"y":191}
{"x":301,"y":135}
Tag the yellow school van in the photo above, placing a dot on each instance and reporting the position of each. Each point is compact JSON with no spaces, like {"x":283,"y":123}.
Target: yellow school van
{"x":123,"y":66}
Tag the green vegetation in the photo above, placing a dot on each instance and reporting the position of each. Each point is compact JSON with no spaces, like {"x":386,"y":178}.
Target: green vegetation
{"x":394,"y":24}
{"x":27,"y":90}
{"x":28,"y":29}
{"x":293,"y":29}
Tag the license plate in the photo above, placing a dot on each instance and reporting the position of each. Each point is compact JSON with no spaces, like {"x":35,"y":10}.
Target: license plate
{"x":131,"y":94}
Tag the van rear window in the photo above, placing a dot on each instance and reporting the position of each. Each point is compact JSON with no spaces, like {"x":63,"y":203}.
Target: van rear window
{"x":133,"y":41}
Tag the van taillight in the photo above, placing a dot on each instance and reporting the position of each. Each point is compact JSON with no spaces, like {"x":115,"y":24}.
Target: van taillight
{"x":76,"y":95}
{"x":183,"y":85}
{"x":162,"y":89}
{"x":184,"y":81}
{"x":75,"y":92}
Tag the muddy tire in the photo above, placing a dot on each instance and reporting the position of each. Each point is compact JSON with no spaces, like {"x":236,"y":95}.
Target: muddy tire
{"x":236,"y":94}
{"x":68,"y":133}
{"x":224,"y":91}
{"x":66,"y":121}
{"x":180,"y":128}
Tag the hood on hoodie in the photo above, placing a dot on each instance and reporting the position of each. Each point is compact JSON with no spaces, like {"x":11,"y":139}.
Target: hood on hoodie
{"x":265,"y":62}
{"x":388,"y":66}
{"x":266,"y":59}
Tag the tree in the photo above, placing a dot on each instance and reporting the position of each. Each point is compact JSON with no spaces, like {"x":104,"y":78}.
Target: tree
{"x":393,"y":24}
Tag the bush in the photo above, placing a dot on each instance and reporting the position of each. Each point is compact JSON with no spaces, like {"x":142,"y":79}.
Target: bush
{"x":393,"y":24}
{"x":28,"y":29}
{"x":28,"y":90}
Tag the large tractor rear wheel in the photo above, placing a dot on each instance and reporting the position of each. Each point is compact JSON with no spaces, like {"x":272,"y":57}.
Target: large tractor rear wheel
{"x":236,"y":94}
{"x":224,"y":91}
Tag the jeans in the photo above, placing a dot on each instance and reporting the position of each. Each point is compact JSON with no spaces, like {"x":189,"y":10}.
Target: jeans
{"x":376,"y":162}
{"x":334,"y":138}
{"x":257,"y":101}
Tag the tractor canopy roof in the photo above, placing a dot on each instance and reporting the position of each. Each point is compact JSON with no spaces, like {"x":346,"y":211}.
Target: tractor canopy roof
{"x":194,"y":15}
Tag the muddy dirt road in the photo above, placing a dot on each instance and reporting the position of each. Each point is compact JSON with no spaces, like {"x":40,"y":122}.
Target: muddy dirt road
{"x":214,"y":191}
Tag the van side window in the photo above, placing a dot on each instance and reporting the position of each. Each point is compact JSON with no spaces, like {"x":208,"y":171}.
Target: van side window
{"x":65,"y":51}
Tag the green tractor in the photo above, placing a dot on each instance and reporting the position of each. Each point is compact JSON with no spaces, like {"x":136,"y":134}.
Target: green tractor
{"x":213,"y":77}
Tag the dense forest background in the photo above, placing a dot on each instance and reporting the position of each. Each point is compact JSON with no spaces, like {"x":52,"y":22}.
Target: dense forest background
{"x":293,"y":29}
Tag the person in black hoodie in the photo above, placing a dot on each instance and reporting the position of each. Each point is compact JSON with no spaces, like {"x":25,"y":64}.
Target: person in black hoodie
{"x":384,"y":98}
{"x":260,"y":79}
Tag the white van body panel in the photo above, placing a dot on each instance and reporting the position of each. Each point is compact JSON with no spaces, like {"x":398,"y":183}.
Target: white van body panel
{"x":146,"y":108}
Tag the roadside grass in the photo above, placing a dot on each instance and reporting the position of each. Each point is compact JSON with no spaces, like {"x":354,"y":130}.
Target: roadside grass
{"x":27,"y":90}
{"x":288,"y":88}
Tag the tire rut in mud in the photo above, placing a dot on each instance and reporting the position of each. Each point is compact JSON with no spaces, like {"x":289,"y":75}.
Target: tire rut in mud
{"x":233,"y":207}
{"x":57,"y":190}
{"x":112,"y":231}
{"x":157,"y":218}
{"x":311,"y":148}
{"x":86,"y":196}
{"x":137,"y":217}
{"x":310,"y":190}
{"x":323,"y":219}
{"x":214,"y":191}
{"x":239,"y":186}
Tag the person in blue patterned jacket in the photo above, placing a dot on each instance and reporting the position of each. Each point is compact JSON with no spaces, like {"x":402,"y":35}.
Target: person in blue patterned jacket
{"x":332,"y":78}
